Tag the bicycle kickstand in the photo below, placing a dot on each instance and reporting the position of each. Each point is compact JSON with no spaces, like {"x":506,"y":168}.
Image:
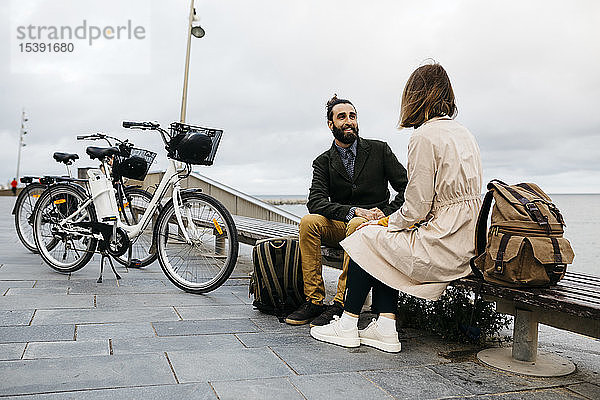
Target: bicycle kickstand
{"x":106,"y":256}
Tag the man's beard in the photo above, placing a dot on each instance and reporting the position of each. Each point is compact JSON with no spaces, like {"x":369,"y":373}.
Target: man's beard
{"x":346,"y":138}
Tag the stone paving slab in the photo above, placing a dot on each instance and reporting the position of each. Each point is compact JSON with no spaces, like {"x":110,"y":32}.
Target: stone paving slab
{"x":193,"y":327}
{"x":196,"y":391}
{"x":77,"y":373}
{"x":39,"y":333}
{"x":320,"y":357}
{"x":31,"y":268}
{"x":83,"y":316}
{"x":257,"y":389}
{"x":11,"y":351}
{"x":478,"y":379}
{"x":301,"y":338}
{"x":162,"y":300}
{"x":227,"y":364}
{"x":15,"y":317}
{"x":269,"y":323}
{"x":26,"y":302}
{"x":587,"y":363}
{"x":80,"y":348}
{"x":175,"y":343}
{"x":414,"y":383}
{"x":5,"y":285}
{"x":115,"y":330}
{"x":35,"y":291}
{"x":125,"y":287}
{"x":586,"y":389}
{"x":234,"y":311}
{"x":90,"y":285}
{"x":552,"y":394}
{"x":338,"y":387}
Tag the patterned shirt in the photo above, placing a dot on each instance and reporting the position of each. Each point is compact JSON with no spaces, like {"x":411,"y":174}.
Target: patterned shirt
{"x":348,"y":155}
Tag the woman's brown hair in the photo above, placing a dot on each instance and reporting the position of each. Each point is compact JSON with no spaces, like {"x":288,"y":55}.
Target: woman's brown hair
{"x":427,"y":94}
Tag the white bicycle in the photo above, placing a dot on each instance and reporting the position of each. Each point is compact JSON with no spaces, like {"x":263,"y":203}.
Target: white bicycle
{"x":194,"y":235}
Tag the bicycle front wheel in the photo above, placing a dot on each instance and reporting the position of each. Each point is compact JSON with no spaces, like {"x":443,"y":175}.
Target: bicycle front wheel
{"x":204,"y":260}
{"x":66,"y":245}
{"x":24,"y":214}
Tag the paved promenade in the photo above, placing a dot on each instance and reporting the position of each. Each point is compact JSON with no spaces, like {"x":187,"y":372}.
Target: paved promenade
{"x":66,"y":337}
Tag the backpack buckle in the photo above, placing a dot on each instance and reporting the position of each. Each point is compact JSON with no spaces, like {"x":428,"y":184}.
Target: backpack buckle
{"x":499,"y":264}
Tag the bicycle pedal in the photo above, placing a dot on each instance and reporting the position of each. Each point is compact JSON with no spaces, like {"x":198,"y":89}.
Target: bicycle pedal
{"x":134,"y":263}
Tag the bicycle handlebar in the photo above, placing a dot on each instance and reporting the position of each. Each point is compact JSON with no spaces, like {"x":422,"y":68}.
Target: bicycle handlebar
{"x":123,"y":145}
{"x":95,"y":136}
{"x":140,"y":125}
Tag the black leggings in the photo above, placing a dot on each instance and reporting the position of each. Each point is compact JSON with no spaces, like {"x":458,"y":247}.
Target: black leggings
{"x":358,"y":284}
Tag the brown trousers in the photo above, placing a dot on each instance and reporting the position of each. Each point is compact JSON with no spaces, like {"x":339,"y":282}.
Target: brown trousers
{"x":316,"y":230}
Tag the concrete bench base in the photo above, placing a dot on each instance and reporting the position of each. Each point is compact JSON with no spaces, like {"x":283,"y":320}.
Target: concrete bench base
{"x":523,"y":357}
{"x":545,"y":365}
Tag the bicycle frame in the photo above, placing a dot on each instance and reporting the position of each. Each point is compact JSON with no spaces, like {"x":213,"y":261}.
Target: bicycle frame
{"x":171,"y":177}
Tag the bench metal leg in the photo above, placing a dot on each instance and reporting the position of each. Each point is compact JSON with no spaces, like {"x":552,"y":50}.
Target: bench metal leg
{"x":524,"y":358}
{"x":525,"y":336}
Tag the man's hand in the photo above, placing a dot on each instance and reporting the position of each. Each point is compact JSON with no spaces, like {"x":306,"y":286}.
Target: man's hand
{"x":379,"y":214}
{"x":367,"y":214}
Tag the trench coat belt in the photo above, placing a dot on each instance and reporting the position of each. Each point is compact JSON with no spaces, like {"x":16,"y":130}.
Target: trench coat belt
{"x":443,"y":203}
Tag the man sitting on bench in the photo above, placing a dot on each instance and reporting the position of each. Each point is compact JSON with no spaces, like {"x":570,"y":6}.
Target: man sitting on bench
{"x":349,"y":186}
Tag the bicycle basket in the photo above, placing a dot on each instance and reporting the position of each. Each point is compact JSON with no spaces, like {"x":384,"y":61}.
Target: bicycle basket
{"x":193,"y":144}
{"x":135,"y":166}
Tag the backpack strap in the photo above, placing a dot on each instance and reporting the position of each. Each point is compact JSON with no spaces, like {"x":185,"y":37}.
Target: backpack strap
{"x":499,"y":264}
{"x":297,"y":270}
{"x":530,"y":207}
{"x":481,"y":229}
{"x":481,"y":232}
{"x":556,"y":248}
{"x":263,"y":271}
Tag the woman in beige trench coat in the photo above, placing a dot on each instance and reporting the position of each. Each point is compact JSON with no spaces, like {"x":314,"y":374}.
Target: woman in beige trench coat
{"x":428,"y":242}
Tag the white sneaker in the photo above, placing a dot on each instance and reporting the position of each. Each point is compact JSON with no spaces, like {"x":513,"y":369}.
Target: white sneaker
{"x":333,"y":333}
{"x":371,"y":336}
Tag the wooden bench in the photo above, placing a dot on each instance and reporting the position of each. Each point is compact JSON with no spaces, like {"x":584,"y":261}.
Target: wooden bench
{"x":572,"y":305}
{"x":250,"y":230}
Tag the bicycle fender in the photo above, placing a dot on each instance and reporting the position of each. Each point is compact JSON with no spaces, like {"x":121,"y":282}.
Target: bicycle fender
{"x":191,"y":190}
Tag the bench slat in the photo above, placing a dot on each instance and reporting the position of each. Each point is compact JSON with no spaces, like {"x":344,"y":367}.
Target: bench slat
{"x":551,"y":299}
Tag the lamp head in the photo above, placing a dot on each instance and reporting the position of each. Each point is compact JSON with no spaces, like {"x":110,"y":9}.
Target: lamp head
{"x":198,"y":32}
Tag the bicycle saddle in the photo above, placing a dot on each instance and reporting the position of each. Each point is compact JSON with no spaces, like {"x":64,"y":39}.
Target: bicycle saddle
{"x":101,"y":152}
{"x":66,"y":158}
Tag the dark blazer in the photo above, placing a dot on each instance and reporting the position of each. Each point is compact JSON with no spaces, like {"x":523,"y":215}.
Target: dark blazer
{"x":333,"y":192}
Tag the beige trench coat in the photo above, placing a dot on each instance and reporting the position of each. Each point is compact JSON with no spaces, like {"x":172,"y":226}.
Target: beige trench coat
{"x":443,"y":198}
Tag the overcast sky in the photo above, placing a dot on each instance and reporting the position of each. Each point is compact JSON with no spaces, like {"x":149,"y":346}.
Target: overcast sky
{"x":526,"y":75}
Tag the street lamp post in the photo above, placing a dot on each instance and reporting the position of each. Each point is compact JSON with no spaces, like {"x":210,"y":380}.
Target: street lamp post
{"x":22,"y":133}
{"x":198,"y":32}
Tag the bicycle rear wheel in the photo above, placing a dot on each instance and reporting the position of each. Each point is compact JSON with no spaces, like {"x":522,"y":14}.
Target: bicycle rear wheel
{"x":206,"y":261}
{"x":66,"y":246}
{"x":134,"y":205}
{"x":23,"y":212}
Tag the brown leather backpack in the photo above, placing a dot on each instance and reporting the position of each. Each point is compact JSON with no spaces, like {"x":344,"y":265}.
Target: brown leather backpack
{"x":525,"y":246}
